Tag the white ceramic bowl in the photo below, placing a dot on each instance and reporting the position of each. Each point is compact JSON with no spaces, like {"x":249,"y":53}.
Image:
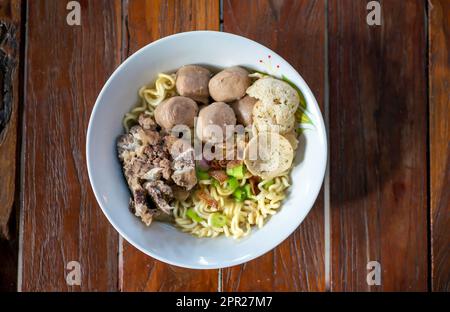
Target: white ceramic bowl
{"x":163,"y":241}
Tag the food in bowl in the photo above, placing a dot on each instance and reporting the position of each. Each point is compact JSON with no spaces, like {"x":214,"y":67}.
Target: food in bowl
{"x":214,"y":51}
{"x":211,"y":152}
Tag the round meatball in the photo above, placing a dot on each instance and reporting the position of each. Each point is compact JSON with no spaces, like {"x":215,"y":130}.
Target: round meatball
{"x":177,"y":110}
{"x":192,"y":82}
{"x":243,"y":109}
{"x":230,"y":84}
{"x":213,"y":120}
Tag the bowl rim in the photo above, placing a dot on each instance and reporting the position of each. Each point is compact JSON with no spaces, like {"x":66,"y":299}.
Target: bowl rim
{"x":315,"y":191}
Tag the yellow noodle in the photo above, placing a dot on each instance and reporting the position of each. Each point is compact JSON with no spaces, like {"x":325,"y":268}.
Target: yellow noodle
{"x":240,"y":216}
{"x":150,"y":98}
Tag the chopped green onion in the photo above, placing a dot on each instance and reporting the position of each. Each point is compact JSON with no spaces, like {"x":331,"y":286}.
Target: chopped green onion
{"x":269,"y":183}
{"x":240,"y":195}
{"x":237,"y":172}
{"x":202,"y":175}
{"x":232,"y":184}
{"x":193,"y":215}
{"x":248,"y":190}
{"x":218,"y":220}
{"x":215,"y":182}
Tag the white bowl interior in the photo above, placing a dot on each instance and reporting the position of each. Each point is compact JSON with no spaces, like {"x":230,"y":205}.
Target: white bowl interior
{"x":119,"y":95}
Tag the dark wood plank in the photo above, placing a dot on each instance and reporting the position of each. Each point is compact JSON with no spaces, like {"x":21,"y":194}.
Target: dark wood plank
{"x":439,"y":86}
{"x":10,"y":47}
{"x":145,"y":22}
{"x":66,"y":66}
{"x":295,"y":30}
{"x":378,"y":133}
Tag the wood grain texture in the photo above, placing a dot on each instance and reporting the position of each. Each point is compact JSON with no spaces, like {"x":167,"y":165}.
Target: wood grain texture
{"x":439,"y":101}
{"x":65,"y":68}
{"x":145,"y":22}
{"x":296,"y":31}
{"x":10,"y":47}
{"x":10,"y":23}
{"x":378,"y":132}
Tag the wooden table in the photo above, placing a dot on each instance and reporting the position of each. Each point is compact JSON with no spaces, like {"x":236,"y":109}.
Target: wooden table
{"x":383,"y":90}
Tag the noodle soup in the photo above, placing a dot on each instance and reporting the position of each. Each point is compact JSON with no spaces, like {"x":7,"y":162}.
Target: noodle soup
{"x":210,"y":152}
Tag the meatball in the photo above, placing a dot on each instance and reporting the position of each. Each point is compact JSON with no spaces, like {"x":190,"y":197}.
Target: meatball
{"x":230,"y":84}
{"x":243,"y":109}
{"x":212,"y":121}
{"x":192,"y":82}
{"x":177,"y":110}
